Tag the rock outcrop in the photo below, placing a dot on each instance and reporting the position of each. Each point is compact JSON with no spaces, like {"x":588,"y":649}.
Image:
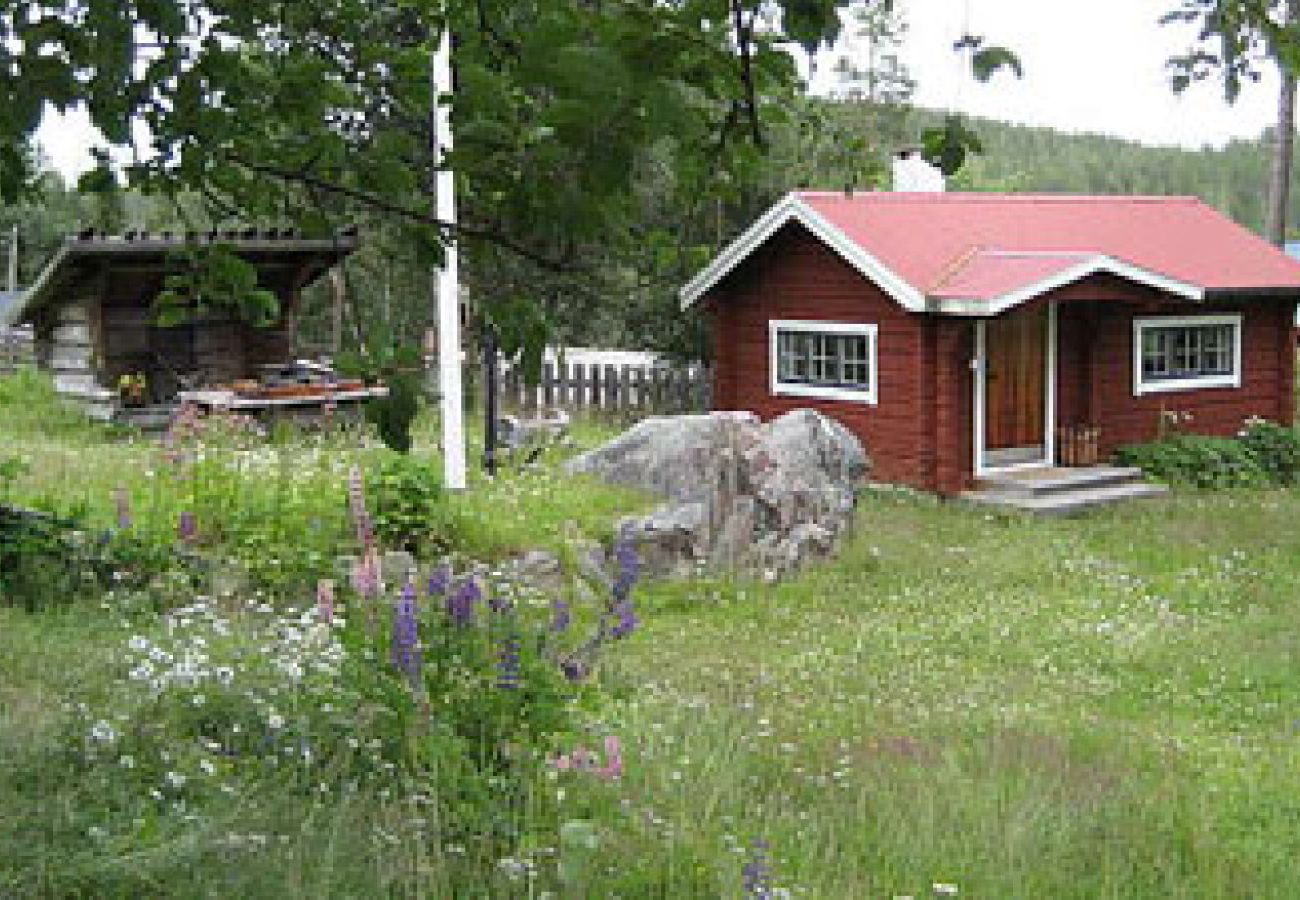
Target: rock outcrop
{"x":740,"y":495}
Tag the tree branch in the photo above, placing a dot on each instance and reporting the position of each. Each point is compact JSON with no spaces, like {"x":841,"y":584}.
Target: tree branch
{"x":446,"y":230}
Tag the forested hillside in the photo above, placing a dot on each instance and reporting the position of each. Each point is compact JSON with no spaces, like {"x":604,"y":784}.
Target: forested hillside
{"x":1018,"y":158}
{"x":819,"y":143}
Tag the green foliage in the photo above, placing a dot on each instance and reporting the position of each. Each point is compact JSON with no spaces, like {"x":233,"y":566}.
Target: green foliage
{"x":1275,"y":447}
{"x":214,"y":279}
{"x":408,"y":505}
{"x":986,"y":61}
{"x":1263,"y":453}
{"x":947,"y":147}
{"x":50,"y":560}
{"x":401,"y":370}
{"x":29,"y":405}
{"x":1234,"y":41}
{"x":1197,"y":461}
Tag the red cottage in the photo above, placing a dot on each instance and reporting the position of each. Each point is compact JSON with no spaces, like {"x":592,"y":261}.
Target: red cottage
{"x":966,"y":335}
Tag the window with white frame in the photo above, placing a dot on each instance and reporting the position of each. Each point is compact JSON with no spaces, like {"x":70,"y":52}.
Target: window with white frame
{"x":830,"y":360}
{"x":1186,"y":353}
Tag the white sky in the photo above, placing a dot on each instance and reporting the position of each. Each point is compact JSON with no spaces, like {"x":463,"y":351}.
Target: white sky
{"x":1093,"y":66}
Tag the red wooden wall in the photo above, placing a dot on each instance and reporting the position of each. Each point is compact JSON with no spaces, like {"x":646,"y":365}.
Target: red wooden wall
{"x":795,"y":276}
{"x":920,"y":433}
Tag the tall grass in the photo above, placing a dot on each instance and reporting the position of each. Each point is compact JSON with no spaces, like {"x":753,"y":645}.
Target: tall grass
{"x":1099,"y":707}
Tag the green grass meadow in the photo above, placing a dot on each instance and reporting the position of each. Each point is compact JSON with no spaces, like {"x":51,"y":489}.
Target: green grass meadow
{"x":1104,"y":706}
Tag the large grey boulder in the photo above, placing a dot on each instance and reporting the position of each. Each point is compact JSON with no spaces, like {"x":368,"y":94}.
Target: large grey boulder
{"x":740,"y":495}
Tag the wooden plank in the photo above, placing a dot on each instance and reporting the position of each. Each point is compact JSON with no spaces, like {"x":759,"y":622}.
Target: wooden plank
{"x":548,"y":385}
{"x":73,"y":313}
{"x":68,"y":357}
{"x":127,"y":317}
{"x":577,"y":386}
{"x":635,"y":388}
{"x":73,"y":333}
{"x":615,"y":388}
{"x":74,"y":382}
{"x":600,"y":393}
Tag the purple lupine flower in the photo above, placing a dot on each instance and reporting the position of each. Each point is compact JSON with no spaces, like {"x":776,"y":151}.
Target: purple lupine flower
{"x":757,"y":873}
{"x":573,"y":668}
{"x":325,"y":600}
{"x":561,"y":616}
{"x":439,"y":581}
{"x":508,"y":667}
{"x":405,"y":647}
{"x":460,"y":603}
{"x":628,"y":572}
{"x":628,"y":566}
{"x":122,"y":500}
{"x":625,"y":620}
{"x":188,"y":527}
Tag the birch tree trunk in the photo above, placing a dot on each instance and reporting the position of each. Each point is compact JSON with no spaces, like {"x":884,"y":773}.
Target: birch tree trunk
{"x":1279,"y":182}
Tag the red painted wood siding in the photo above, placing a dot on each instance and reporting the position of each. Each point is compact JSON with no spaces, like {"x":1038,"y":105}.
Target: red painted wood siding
{"x":1095,"y":371}
{"x":794,"y":276}
{"x":921,"y":432}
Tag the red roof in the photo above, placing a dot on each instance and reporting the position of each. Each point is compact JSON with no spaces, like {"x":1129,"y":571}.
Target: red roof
{"x":926,"y":238}
{"x":986,"y":274}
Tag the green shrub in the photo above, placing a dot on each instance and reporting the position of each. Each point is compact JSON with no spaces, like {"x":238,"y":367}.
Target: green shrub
{"x":408,"y":504}
{"x":1276,"y":449}
{"x":1197,"y":461}
{"x":29,"y":405}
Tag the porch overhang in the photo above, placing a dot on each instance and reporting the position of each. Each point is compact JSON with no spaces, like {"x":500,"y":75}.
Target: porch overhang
{"x":990,"y":282}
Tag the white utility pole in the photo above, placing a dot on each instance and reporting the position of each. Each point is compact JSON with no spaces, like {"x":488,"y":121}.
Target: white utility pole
{"x":13,"y":261}
{"x":448,"y":279}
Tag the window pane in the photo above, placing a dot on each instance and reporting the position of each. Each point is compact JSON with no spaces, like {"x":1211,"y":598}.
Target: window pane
{"x":824,"y":359}
{"x":1191,"y":351}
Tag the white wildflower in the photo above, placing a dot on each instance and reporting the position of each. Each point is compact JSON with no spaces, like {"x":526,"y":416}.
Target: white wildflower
{"x":175,"y":780}
{"x":206,"y":766}
{"x":139,"y":644}
{"x":275,"y":721}
{"x":103,"y":732}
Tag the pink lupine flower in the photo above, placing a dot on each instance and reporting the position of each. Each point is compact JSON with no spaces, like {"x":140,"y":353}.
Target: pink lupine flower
{"x":325,"y":600}
{"x":361,"y":520}
{"x":613,"y":767}
{"x":584,"y":760}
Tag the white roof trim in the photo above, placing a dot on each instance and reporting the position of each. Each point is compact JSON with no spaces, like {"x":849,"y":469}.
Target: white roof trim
{"x":793,"y":208}
{"x":1091,"y":266}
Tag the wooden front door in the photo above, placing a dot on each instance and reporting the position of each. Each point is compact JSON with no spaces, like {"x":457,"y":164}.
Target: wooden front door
{"x":1015,"y":347}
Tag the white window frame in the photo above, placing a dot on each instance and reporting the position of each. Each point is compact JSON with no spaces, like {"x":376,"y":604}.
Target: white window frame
{"x":1198,"y":383}
{"x":779,"y":388}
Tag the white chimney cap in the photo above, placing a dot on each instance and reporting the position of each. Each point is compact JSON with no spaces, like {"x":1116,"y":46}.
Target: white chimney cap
{"x":912,"y":174}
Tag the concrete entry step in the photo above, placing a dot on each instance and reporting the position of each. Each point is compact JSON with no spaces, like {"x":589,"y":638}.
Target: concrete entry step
{"x":1063,"y":492}
{"x":1040,"y":482}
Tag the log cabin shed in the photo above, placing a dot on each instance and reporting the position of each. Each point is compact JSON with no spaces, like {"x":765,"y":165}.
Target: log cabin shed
{"x":91,"y":309}
{"x":966,"y":336}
